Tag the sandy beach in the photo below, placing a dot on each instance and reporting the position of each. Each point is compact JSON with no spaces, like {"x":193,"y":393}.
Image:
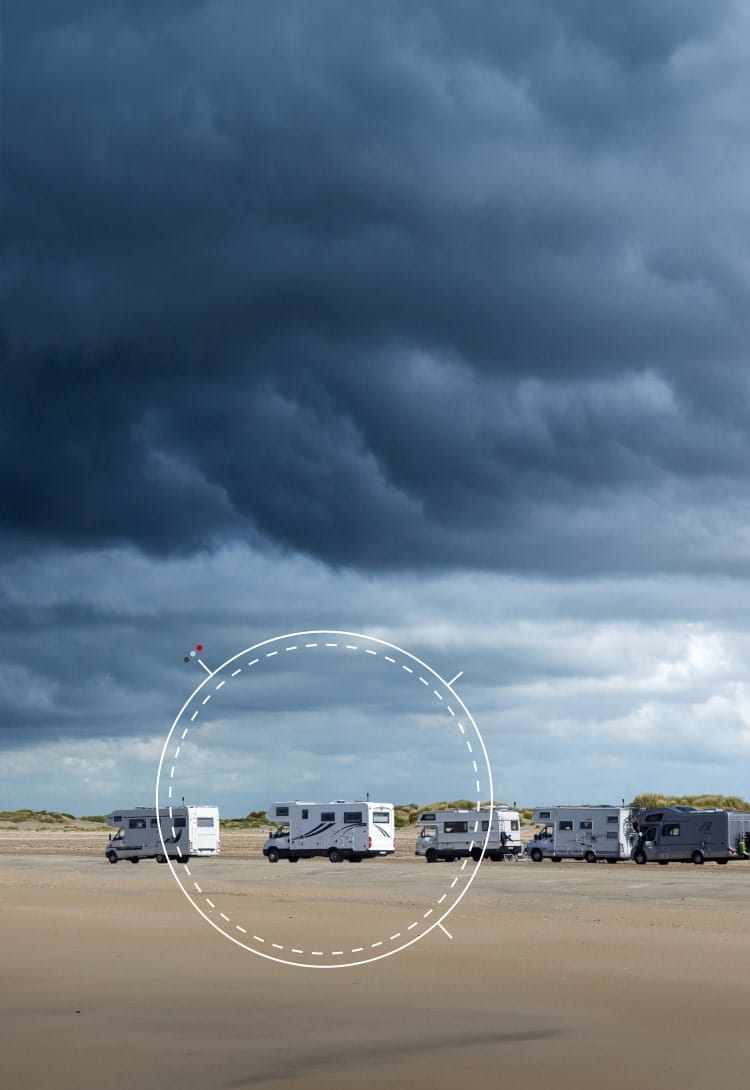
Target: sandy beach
{"x":568,"y":976}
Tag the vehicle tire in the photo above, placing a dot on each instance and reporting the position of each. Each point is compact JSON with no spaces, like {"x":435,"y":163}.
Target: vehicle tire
{"x":722,"y":861}
{"x":354,"y":858}
{"x":161,"y":859}
{"x":112,"y":857}
{"x":613,"y":860}
{"x":293,"y":858}
{"x":536,"y":855}
{"x":335,"y":855}
{"x":134,"y":859}
{"x":639,"y":856}
{"x":589,"y":857}
{"x":184,"y":859}
{"x":430,"y":855}
{"x":476,"y":854}
{"x":557,"y":859}
{"x":663,"y":862}
{"x":698,"y":858}
{"x":272,"y":855}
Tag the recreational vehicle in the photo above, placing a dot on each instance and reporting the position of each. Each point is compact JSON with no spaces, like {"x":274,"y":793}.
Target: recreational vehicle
{"x":590,"y":833}
{"x":682,"y":834}
{"x":455,"y":834}
{"x":339,"y":830}
{"x":187,"y":831}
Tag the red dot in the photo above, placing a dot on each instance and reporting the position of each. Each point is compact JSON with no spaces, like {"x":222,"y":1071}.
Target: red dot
{"x":199,"y":647}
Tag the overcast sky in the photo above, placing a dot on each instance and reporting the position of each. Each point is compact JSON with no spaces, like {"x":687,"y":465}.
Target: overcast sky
{"x":427,"y":322}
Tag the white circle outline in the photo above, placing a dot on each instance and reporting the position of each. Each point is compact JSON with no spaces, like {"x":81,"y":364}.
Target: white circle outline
{"x":341,"y":964}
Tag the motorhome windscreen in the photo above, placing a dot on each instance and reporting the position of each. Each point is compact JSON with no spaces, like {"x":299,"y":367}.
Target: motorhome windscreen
{"x":429,"y":830}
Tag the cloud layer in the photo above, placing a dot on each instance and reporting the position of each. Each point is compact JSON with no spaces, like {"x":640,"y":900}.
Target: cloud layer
{"x":397,"y":298}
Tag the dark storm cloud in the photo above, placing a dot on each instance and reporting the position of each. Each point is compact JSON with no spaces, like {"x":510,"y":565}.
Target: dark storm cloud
{"x":390,"y":286}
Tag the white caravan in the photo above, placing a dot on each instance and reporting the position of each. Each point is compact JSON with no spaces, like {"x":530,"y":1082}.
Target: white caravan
{"x":455,"y":834}
{"x":187,"y":831}
{"x":683,"y":834}
{"x":340,"y":830}
{"x":590,"y":833}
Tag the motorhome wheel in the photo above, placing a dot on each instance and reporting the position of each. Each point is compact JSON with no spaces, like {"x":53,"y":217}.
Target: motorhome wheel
{"x":335,"y":855}
{"x":590,"y":857}
{"x":431,"y":855}
{"x":639,"y":855}
{"x":272,"y":855}
{"x":112,"y":857}
{"x":536,"y":855}
{"x":134,"y":859}
{"x":698,"y":857}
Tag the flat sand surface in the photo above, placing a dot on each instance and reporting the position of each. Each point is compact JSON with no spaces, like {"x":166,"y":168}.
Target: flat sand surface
{"x":542,"y":977}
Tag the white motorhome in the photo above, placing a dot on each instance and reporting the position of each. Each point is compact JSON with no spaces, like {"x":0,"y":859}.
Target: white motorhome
{"x":187,"y":831}
{"x":339,"y":830}
{"x":683,"y":834}
{"x":455,"y":834}
{"x":589,"y":833}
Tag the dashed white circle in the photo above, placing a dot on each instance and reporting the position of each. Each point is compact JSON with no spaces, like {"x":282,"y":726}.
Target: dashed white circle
{"x":447,"y":701}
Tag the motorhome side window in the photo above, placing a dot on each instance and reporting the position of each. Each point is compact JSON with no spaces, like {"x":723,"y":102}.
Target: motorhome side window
{"x":514,"y":825}
{"x":612,"y":819}
{"x":328,"y":815}
{"x":179,"y":822}
{"x":381,"y":817}
{"x":282,"y":811}
{"x":566,"y":826}
{"x":205,"y":823}
{"x":305,"y":813}
{"x":117,"y":819}
{"x":611,"y":836}
{"x":544,"y":815}
{"x":456,"y":827}
{"x":137,"y":823}
{"x":670,"y":828}
{"x":587,"y":824}
{"x":704,"y":827}
{"x":353,"y":817}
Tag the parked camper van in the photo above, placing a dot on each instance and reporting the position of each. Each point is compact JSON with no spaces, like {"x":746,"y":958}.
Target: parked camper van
{"x":590,"y":833}
{"x":455,"y":834}
{"x":683,"y":834}
{"x":187,"y":831}
{"x":340,"y":830}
